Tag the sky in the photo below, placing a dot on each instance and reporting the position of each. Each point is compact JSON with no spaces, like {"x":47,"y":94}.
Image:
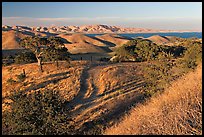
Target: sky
{"x":153,"y":15}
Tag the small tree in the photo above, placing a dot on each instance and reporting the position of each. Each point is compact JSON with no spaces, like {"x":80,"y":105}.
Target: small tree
{"x":138,"y":50}
{"x":36,"y":45}
{"x":56,"y":50}
{"x":46,"y":48}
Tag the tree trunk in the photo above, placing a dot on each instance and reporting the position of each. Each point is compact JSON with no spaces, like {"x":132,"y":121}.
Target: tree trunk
{"x":68,"y":62}
{"x":24,"y":72}
{"x":40,"y":64}
{"x":57,"y":63}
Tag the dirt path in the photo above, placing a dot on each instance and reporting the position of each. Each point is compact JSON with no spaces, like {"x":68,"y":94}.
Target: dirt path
{"x":88,"y":104}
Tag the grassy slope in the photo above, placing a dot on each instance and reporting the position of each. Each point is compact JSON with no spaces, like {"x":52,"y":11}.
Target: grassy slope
{"x":177,"y":111}
{"x":9,"y":40}
{"x":94,"y":92}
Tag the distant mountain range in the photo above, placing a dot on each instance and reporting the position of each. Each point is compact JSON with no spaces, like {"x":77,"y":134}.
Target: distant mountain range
{"x":83,"y":29}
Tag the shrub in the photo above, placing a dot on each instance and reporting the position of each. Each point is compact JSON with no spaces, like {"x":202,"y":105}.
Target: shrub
{"x":158,"y":75}
{"x":25,"y":57}
{"x":192,"y":55}
{"x":138,"y":50}
{"x":176,"y":51}
{"x":37,"y":114}
{"x":124,"y":54}
{"x":146,"y":50}
{"x":11,"y":81}
{"x":105,"y":59}
{"x":21,"y":77}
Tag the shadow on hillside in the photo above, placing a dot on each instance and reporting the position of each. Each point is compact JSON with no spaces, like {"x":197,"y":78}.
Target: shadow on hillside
{"x":98,"y":125}
{"x":105,"y":42}
{"x":56,"y":78}
{"x":106,"y":49}
{"x":65,"y":41}
{"x":79,"y":98}
{"x":94,"y":126}
{"x":88,"y":102}
{"x":123,"y":37}
{"x":49,"y":34}
{"x":88,"y":56}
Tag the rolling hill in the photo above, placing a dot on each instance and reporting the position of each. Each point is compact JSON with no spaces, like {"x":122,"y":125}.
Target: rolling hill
{"x":83,"y":47}
{"x":158,"y":39}
{"x":178,"y":111}
{"x":80,"y":38}
{"x":116,"y":40}
{"x":10,"y":39}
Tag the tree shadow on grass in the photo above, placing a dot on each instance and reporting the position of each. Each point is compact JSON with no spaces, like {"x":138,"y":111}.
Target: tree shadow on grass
{"x":55,"y":78}
{"x":99,"y":124}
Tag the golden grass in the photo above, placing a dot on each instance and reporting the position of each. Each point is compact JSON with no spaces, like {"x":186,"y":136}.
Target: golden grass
{"x":177,"y":111}
{"x":115,"y":39}
{"x":83,"y":47}
{"x":158,"y":39}
{"x":9,"y":40}
{"x":116,"y":75}
{"x":64,"y":79}
{"x":80,"y":38}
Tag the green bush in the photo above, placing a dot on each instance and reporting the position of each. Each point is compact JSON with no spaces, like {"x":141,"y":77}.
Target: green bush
{"x":25,"y":57}
{"x":124,"y":53}
{"x":21,"y":77}
{"x":138,"y":50}
{"x":164,"y":68}
{"x":158,"y":75}
{"x":38,"y":113}
{"x":146,"y":50}
{"x":193,"y":55}
{"x":176,"y":51}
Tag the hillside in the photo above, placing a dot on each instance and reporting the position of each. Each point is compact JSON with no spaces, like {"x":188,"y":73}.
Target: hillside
{"x":10,"y":39}
{"x":158,"y":39}
{"x":83,"y":47}
{"x":114,"y":39}
{"x":76,"y":43}
{"x":94,"y":90}
{"x":98,"y":28}
{"x":80,"y":38}
{"x":178,"y":111}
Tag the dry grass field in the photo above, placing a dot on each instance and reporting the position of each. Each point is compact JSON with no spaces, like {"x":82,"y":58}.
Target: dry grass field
{"x":104,"y":97}
{"x":178,"y":111}
{"x":96,"y":91}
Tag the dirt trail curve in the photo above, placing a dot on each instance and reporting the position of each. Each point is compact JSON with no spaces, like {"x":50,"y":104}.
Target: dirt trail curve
{"x":88,"y":101}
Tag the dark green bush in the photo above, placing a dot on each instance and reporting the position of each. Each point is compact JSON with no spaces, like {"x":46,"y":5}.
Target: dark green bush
{"x":25,"y":57}
{"x":21,"y":77}
{"x":176,"y":51}
{"x":158,"y":75}
{"x":38,"y":113}
{"x":138,"y":50}
{"x":193,"y":55}
{"x":124,"y":53}
{"x":146,"y":50}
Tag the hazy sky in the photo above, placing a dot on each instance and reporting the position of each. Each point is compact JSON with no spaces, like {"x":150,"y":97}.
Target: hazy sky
{"x":155,"y":15}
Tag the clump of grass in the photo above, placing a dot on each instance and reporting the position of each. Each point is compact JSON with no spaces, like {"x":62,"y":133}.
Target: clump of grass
{"x":11,"y":81}
{"x":21,"y":77}
{"x":10,"y":69}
